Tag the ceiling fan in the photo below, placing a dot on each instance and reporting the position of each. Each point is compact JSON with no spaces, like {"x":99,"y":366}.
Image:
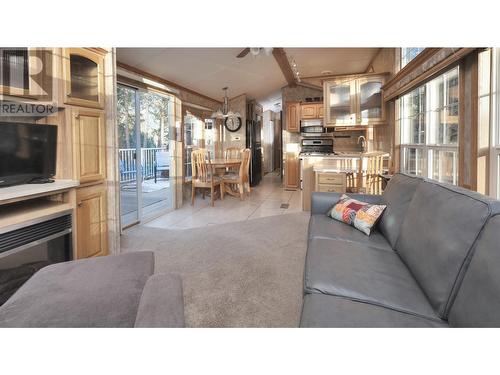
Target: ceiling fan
{"x":254,"y":51}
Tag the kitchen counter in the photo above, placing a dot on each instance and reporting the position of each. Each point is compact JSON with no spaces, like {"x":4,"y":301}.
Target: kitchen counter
{"x":346,"y":154}
{"x":310,"y":164}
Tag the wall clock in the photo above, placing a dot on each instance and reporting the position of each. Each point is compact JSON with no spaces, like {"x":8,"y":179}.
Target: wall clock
{"x":233,"y":124}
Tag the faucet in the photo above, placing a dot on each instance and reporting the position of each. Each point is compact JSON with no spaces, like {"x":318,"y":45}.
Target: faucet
{"x":362,"y":141}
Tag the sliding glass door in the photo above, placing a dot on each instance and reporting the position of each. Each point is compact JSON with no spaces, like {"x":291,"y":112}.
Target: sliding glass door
{"x":144,"y":122}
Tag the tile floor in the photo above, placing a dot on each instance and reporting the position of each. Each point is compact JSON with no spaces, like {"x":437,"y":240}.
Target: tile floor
{"x":265,"y":200}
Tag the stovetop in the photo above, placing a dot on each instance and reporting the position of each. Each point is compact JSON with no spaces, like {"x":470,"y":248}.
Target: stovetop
{"x":318,"y":154}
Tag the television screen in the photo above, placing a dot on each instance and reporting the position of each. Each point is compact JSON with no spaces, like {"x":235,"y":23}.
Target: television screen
{"x":27,"y":152}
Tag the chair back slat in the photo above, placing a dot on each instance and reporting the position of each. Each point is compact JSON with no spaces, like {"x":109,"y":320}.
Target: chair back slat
{"x":202,"y":166}
{"x":232,"y":153}
{"x":245,"y":163}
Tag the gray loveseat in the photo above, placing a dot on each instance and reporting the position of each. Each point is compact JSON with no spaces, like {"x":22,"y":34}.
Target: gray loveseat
{"x":433,"y":261}
{"x":112,"y":291}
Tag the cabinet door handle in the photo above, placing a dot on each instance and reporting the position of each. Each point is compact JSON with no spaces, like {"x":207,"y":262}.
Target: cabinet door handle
{"x":80,"y":204}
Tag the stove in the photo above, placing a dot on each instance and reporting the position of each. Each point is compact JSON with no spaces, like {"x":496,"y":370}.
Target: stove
{"x":316,"y":146}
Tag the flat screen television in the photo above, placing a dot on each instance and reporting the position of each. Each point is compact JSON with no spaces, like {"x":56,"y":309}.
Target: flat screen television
{"x":27,"y":152}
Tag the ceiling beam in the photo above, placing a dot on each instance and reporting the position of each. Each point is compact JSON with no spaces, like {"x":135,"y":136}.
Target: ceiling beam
{"x":282,"y":60}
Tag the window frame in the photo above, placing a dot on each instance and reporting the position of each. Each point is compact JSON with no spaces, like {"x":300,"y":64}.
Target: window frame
{"x":428,"y":107}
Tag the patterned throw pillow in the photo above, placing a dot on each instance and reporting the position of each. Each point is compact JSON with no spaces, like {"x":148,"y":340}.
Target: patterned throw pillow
{"x":361,"y":215}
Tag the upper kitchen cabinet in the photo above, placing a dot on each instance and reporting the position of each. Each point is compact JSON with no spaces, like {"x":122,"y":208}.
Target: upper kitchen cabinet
{"x":311,"y":111}
{"x":354,"y":100}
{"x":83,"y":77}
{"x":293,"y":117}
{"x":340,"y":102}
{"x":371,"y":110}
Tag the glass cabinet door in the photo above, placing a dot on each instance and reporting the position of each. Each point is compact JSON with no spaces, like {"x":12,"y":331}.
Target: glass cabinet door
{"x":84,"y":78}
{"x":370,"y":100}
{"x":339,"y":96}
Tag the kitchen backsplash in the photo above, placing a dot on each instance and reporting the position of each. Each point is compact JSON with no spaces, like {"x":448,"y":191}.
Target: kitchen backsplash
{"x":347,"y":141}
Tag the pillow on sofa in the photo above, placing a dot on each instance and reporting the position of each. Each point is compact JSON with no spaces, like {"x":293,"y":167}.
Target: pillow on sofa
{"x":361,"y":215}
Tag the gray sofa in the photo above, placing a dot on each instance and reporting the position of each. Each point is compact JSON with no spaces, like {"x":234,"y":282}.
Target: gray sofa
{"x":112,"y":291}
{"x":433,"y":261}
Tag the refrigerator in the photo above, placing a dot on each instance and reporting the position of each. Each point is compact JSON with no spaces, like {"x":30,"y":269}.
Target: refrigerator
{"x":254,"y":143}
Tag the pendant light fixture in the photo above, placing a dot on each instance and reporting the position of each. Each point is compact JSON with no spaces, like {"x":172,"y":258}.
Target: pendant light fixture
{"x":224,"y":112}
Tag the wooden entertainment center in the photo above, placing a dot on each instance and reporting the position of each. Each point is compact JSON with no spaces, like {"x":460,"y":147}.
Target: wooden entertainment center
{"x":78,"y":81}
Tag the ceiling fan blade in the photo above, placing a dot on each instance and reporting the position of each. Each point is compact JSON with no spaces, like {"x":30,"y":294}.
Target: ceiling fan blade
{"x":243,"y":53}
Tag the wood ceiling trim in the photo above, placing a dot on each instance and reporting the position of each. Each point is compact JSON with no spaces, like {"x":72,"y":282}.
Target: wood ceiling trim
{"x":429,"y":63}
{"x":164,"y":81}
{"x":282,"y":60}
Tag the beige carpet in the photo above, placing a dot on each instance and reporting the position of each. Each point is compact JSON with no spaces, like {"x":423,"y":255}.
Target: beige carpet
{"x":243,"y":274}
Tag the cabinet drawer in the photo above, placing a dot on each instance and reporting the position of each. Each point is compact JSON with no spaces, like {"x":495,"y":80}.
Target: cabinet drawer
{"x":331,"y":178}
{"x":326,"y":188}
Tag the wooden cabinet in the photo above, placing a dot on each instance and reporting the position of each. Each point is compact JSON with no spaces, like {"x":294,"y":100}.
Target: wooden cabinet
{"x":331,"y":182}
{"x":370,"y":105}
{"x":91,"y":227}
{"x":293,"y":117}
{"x":311,"y":111}
{"x":89,"y":145}
{"x":354,"y":101}
{"x":292,"y":171}
{"x":83,"y":72}
{"x":340,"y":101}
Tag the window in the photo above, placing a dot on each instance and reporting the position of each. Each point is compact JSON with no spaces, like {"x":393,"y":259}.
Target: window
{"x":197,"y":134}
{"x":193,"y":139}
{"x":428,"y":121}
{"x":408,"y":54}
{"x":494,"y":120}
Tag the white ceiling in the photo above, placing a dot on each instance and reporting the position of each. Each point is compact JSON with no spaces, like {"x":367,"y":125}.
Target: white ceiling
{"x":207,"y":70}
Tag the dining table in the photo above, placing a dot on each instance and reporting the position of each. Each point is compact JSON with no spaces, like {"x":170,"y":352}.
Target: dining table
{"x":220,"y":165}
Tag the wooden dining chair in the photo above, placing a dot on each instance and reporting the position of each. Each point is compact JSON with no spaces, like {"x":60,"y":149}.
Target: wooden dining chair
{"x":240,"y":179}
{"x":346,"y":165}
{"x":204,"y":176}
{"x":232,"y":153}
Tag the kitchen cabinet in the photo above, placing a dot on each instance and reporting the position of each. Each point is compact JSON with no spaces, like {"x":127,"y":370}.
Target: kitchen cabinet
{"x":83,"y":72}
{"x":89,"y":145}
{"x":91,"y":227}
{"x":292,"y":171}
{"x":331,"y":182}
{"x":293,"y":117}
{"x":311,"y":111}
{"x":354,"y":100}
{"x":371,"y":109}
{"x":340,"y":101}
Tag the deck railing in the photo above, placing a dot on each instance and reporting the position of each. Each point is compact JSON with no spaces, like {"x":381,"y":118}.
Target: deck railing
{"x":128,"y":163}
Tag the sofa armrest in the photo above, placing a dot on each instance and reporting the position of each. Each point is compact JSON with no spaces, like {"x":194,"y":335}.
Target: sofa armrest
{"x":162,"y":303}
{"x":322,"y":202}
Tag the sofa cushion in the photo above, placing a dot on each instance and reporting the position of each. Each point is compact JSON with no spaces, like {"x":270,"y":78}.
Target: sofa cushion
{"x":96,"y":292}
{"x":362,"y":273}
{"x":321,"y":226}
{"x":359,"y":214}
{"x":440,"y":228}
{"x":162,"y":303}
{"x":397,"y":196}
{"x":328,"y":311}
{"x":477,"y":303}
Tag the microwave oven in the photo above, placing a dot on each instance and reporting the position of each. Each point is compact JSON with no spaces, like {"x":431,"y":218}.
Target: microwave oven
{"x":312,"y":127}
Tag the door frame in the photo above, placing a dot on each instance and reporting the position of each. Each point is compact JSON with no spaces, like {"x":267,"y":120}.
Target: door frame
{"x":148,"y":214}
